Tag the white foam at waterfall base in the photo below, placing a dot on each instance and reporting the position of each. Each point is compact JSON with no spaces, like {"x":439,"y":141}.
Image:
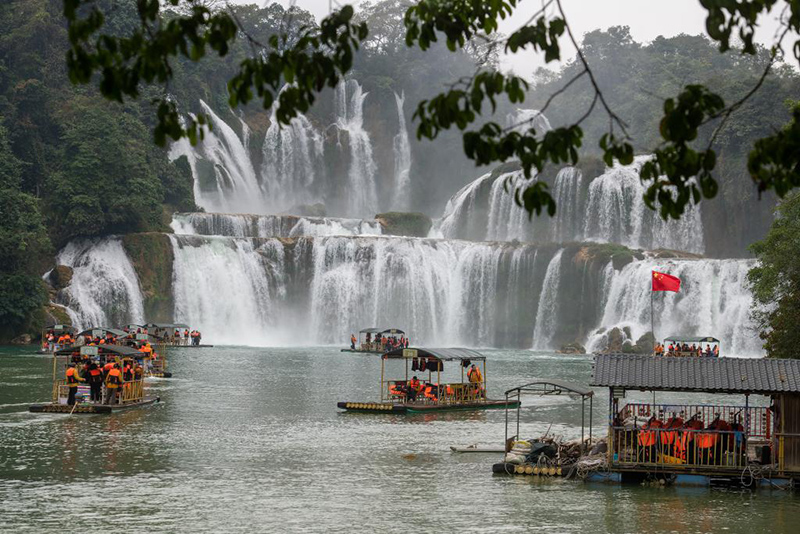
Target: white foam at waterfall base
{"x":401,"y":199}
{"x":229,"y":289}
{"x":714,"y":300}
{"x":104,"y":290}
{"x":547,"y":312}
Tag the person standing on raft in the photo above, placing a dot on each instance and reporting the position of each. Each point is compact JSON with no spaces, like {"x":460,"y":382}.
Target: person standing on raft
{"x":72,"y":381}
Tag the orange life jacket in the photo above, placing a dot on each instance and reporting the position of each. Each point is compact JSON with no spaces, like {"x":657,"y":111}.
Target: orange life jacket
{"x":647,"y":437}
{"x":113,"y":379}
{"x":72,"y":379}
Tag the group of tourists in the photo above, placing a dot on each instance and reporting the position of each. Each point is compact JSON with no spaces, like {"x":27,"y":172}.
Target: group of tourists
{"x":105,"y":381}
{"x":431,"y":392}
{"x":684,"y":349}
{"x":381,"y":343}
{"x":689,"y":441}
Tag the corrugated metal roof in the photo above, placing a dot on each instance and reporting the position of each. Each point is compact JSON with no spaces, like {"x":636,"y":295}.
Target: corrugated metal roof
{"x":445,"y":354}
{"x":719,"y":375}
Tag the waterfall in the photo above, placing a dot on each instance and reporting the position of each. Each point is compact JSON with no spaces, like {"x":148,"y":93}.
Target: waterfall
{"x":523,"y":120}
{"x":292,"y":157}
{"x":612,"y":211}
{"x":460,"y":209}
{"x":507,"y":220}
{"x":229,"y":289}
{"x":104,"y":290}
{"x":546,"y":315}
{"x":362,"y":197}
{"x":265,"y":226}
{"x":714,"y":300}
{"x":616,"y":213}
{"x":402,"y":160}
{"x":566,"y":191}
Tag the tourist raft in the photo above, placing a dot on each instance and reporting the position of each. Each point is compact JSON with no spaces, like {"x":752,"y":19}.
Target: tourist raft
{"x":377,"y":340}
{"x":427,"y":393}
{"x":125,"y":392}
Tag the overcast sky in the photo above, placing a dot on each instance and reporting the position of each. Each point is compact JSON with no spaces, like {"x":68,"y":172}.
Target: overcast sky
{"x":646,"y":18}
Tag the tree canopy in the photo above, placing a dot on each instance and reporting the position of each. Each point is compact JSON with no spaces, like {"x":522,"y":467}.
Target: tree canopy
{"x":776,"y":282}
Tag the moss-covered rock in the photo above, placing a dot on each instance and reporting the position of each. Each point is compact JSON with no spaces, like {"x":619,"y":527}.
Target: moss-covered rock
{"x":572,"y":348}
{"x":152,"y":258}
{"x":60,"y":277}
{"x":405,"y":224}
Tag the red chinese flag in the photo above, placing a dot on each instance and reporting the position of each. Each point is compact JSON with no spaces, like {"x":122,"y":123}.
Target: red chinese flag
{"x":665,"y":282}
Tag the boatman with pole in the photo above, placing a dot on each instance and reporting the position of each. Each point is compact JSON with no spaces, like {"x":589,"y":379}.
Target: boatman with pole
{"x":661,"y":282}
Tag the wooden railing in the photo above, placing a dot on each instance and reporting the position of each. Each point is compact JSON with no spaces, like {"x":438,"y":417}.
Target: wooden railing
{"x":457,"y":393}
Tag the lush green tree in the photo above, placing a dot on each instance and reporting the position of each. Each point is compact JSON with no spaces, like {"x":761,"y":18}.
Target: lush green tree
{"x":23,"y":247}
{"x":776,"y":282}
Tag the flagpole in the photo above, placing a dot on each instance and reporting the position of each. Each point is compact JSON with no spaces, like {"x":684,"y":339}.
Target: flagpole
{"x":652,"y":320}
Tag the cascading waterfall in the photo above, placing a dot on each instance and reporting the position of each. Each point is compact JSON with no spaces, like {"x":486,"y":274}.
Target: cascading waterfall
{"x":402,"y":160}
{"x":230,"y":182}
{"x":508,"y":221}
{"x":523,"y":120}
{"x":267,"y":291}
{"x":547,"y":314}
{"x":104,"y":290}
{"x":613,"y":211}
{"x":229,"y":289}
{"x":567,"y":190}
{"x":714,"y":300}
{"x":292,"y":160}
{"x":265,"y":226}
{"x":616,"y":213}
{"x":460,"y":209}
{"x":362,"y":196}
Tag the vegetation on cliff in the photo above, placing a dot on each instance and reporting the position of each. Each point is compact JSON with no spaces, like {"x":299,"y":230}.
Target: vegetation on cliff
{"x":775,"y":282}
{"x":152,"y":257}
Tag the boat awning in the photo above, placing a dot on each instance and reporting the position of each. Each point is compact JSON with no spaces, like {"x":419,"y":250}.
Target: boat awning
{"x":103,"y":329}
{"x":684,"y":339}
{"x":113,"y":349}
{"x":164,"y":326}
{"x":61,"y":328}
{"x":391,"y":331}
{"x":448,"y":354}
{"x":765,"y":376}
{"x":552,"y":387}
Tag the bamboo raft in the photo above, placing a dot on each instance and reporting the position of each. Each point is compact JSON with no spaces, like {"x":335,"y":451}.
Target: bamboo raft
{"x":87,"y":408}
{"x":420,"y":407}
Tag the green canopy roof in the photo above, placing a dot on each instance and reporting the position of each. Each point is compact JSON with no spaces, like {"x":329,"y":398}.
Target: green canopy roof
{"x":690,"y":339}
{"x":448,"y":354}
{"x":104,"y":349}
{"x":103,"y":329}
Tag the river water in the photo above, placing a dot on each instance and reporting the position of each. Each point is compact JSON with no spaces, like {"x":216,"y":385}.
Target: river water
{"x":248,"y":439}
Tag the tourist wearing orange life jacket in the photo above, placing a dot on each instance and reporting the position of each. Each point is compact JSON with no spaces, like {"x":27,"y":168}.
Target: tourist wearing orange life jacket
{"x":113,"y":383}
{"x":414,"y":387}
{"x":95,"y":383}
{"x":72,"y":379}
{"x":353,"y":341}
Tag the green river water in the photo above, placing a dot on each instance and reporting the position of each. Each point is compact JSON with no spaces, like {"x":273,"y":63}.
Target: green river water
{"x":250,"y":440}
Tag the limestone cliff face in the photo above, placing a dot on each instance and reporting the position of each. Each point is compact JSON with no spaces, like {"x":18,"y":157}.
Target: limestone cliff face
{"x":152,"y":258}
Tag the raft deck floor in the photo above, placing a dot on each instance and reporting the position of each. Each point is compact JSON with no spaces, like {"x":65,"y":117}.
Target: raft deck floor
{"x":419,"y":407}
{"x":88,"y":408}
{"x":362,"y":351}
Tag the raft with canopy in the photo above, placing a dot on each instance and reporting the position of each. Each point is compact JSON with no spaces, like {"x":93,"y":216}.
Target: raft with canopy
{"x":369,"y":340}
{"x":172,"y":334}
{"x":401,"y":394}
{"x":57,"y":330}
{"x":132,"y":393}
